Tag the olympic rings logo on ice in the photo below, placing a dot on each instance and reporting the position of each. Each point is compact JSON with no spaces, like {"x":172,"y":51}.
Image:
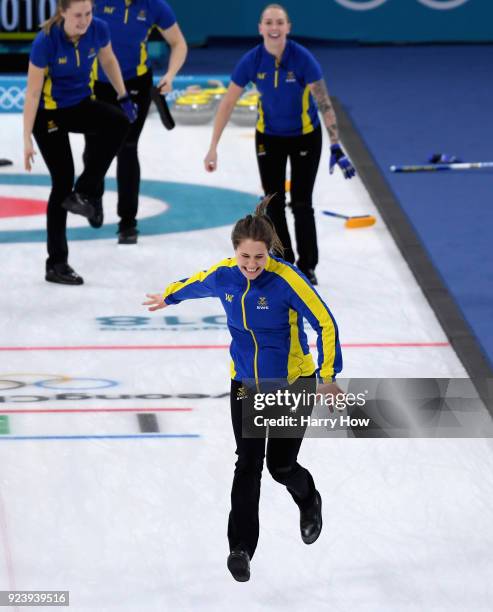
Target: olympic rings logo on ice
{"x":55,"y":382}
{"x":11,"y":97}
{"x":368,"y":5}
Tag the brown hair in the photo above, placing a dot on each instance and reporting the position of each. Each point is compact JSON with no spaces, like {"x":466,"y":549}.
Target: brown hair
{"x":62,"y":5}
{"x":274,"y":6}
{"x":259,"y":228}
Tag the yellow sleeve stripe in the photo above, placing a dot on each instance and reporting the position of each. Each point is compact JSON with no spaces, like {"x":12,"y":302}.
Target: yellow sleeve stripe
{"x":261,"y":121}
{"x":49,"y":102}
{"x":199,"y":277}
{"x":305,"y":117}
{"x":142,"y":67}
{"x":317,"y":308}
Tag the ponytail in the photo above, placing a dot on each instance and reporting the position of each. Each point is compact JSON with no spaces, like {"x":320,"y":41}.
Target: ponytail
{"x":55,"y":19}
{"x":259,"y":228}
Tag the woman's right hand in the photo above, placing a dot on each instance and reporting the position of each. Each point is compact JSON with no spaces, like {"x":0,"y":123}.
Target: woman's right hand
{"x":210,"y":161}
{"x":29,"y":153}
{"x":155,"y":301}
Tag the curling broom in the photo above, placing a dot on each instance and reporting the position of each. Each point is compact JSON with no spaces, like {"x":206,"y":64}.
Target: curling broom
{"x":353,"y":222}
{"x":441,"y":167}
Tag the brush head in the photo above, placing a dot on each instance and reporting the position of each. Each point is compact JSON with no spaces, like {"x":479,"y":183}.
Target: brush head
{"x":362,"y":221}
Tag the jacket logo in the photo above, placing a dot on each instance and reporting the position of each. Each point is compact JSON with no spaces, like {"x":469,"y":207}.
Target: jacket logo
{"x":261,"y":75}
{"x":261,"y":150}
{"x":109,"y":10}
{"x":290,"y":77}
{"x":62,"y":60}
{"x":242,"y":393}
{"x":51,"y":126}
{"x":262,"y":304}
{"x":92,"y":52}
{"x":142,"y":16}
{"x":228,"y":297}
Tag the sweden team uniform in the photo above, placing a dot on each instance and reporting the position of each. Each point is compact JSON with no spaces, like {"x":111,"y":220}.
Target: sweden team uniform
{"x":68,"y":65}
{"x":130,"y":24}
{"x":265,"y":318}
{"x":65,"y":106}
{"x":288,"y":127}
{"x":286,"y":106}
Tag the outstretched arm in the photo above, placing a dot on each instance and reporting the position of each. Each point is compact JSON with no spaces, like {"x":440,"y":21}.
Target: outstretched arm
{"x":155,"y":301}
{"x":337,"y":155}
{"x":223,"y":114}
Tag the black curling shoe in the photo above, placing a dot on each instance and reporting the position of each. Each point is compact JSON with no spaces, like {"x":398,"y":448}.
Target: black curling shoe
{"x":79,"y":205}
{"x":311,"y":521}
{"x":239,"y":565}
{"x":97,"y":218}
{"x":310,"y":275}
{"x":63,"y":274}
{"x":128,"y":236}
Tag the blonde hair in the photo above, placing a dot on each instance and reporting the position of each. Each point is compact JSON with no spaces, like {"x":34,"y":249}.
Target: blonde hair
{"x":259,"y":228}
{"x":56,"y":19}
{"x":274,"y":6}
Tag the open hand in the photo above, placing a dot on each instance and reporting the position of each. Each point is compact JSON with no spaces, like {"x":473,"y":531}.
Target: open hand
{"x":155,"y":301}
{"x":29,"y":154}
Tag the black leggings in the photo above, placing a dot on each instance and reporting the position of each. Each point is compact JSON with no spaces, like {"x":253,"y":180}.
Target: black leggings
{"x":51,"y":130}
{"x":282,"y":454}
{"x":304,"y":156}
{"x":127,"y":165}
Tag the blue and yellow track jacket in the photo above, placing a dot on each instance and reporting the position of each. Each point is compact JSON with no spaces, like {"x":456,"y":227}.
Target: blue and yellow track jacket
{"x":265,"y":319}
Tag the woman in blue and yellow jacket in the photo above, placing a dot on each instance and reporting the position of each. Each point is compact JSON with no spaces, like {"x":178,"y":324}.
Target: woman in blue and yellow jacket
{"x":266,"y":300}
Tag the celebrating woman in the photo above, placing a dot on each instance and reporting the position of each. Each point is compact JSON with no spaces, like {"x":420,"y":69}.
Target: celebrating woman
{"x":291,"y":86}
{"x":130,"y":24}
{"x":265,"y":300}
{"x":58,"y":101}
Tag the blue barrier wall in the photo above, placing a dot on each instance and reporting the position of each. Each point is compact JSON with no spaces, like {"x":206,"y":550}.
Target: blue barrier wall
{"x":362,"y":20}
{"x":13,"y":89}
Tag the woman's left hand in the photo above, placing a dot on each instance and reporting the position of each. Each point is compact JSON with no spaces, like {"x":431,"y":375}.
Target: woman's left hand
{"x":332,"y":389}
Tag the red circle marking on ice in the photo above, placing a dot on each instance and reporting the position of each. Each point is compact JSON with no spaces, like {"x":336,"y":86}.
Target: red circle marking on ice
{"x":21,"y":207}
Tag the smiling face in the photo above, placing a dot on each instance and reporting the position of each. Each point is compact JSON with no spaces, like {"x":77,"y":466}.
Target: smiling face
{"x":251,"y":257}
{"x":274,"y":27}
{"x":77,"y":18}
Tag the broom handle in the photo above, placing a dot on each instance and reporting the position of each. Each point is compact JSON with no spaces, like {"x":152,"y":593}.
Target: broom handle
{"x":439,"y":167}
{"x":333,"y":214}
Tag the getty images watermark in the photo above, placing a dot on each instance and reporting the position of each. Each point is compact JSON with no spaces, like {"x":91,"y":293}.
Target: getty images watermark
{"x":405,"y":407}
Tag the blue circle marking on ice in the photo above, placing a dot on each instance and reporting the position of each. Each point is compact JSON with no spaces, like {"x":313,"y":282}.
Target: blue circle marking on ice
{"x":191,"y":207}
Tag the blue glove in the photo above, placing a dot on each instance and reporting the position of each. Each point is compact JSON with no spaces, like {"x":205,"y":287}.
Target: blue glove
{"x":444,"y":158}
{"x":128,"y":107}
{"x":337,"y":156}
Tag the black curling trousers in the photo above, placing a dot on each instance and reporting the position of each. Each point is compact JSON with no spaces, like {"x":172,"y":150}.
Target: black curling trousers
{"x":282,"y":455}
{"x":127,"y":161}
{"x":303,"y":153}
{"x":51,"y":130}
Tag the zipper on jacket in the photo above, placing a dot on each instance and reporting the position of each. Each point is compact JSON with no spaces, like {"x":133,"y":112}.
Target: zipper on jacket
{"x":276,"y":74}
{"x":77,"y":56}
{"x":127,"y":5}
{"x":255,"y":358}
